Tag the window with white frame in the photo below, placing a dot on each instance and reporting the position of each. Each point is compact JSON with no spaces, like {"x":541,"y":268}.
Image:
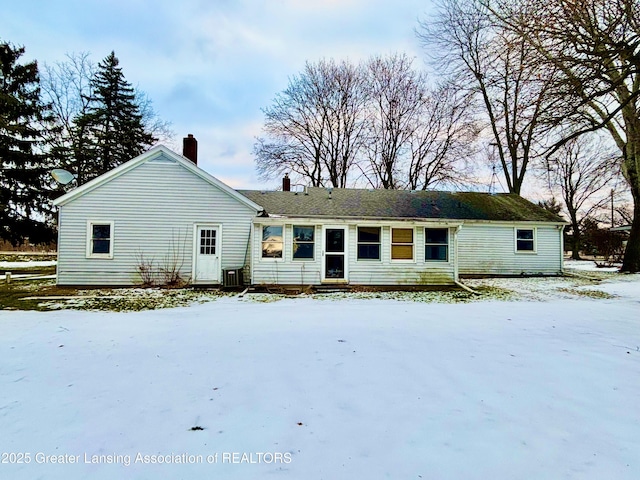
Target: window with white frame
{"x":402,"y":243}
{"x":436,"y":244}
{"x":272,"y":243}
{"x":303,"y":242}
{"x":525,"y":240}
{"x":369,"y":243}
{"x":100,"y":239}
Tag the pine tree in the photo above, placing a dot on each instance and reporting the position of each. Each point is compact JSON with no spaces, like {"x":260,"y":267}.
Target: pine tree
{"x":24,"y":187}
{"x":114,"y":123}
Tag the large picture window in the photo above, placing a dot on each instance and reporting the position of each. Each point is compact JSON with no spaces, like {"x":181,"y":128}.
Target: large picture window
{"x":272,"y":241}
{"x":100,"y":240}
{"x":525,"y":240}
{"x":303,"y":242}
{"x":436,"y":244}
{"x":368,"y":243}
{"x":402,"y":243}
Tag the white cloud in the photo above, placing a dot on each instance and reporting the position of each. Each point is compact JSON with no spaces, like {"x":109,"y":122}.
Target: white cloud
{"x":210,"y":66}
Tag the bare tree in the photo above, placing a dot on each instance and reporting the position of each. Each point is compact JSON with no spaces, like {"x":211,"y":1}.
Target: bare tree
{"x":337,"y":124}
{"x":314,"y":127}
{"x":501,"y":71}
{"x":397,"y":95}
{"x":594,"y":47}
{"x":584,"y":171}
{"x":153,"y":123}
{"x":443,"y":141}
{"x":67,"y":86}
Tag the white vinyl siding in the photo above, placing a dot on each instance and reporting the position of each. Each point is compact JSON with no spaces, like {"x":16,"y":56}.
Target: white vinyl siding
{"x":154,"y":208}
{"x":394,"y":272}
{"x":360,"y":272}
{"x":490,"y":249}
{"x":285,"y":271}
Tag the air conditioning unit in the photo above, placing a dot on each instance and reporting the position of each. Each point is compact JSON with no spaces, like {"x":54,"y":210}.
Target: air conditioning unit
{"x":232,"y":277}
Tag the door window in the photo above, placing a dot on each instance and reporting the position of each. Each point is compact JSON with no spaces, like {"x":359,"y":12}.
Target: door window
{"x":208,"y":241}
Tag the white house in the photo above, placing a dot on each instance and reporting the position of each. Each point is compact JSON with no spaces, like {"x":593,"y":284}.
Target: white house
{"x":159,"y":214}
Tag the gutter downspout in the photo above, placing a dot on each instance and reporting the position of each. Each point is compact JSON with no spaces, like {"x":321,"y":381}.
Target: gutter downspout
{"x":561,"y":230}
{"x":468,"y":289}
{"x":455,"y":253}
{"x":455,"y":264}
{"x":250,"y":246}
{"x":58,"y":246}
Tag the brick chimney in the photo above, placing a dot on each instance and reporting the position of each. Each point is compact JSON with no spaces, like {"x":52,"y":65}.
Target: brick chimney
{"x":286,"y":183}
{"x":190,"y":148}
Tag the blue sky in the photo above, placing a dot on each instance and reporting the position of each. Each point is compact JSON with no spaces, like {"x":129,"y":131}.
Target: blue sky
{"x":210,"y":66}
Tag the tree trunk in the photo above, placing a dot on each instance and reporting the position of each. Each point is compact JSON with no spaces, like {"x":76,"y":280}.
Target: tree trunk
{"x":631,"y":262}
{"x":576,"y":240}
{"x":631,"y":171}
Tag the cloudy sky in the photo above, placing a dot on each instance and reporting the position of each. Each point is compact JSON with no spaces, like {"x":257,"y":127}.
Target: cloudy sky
{"x":210,"y":66}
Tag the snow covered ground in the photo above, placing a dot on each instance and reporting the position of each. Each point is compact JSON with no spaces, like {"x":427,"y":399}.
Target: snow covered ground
{"x":27,"y":264}
{"x":588,"y":265}
{"x":333,"y":389}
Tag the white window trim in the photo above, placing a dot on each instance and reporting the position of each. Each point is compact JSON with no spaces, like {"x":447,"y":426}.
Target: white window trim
{"x":284,"y":243}
{"x":379,"y":243}
{"x":89,"y":252}
{"x":448,"y":245}
{"x":535,"y":241}
{"x":413,"y":245}
{"x":293,"y":242}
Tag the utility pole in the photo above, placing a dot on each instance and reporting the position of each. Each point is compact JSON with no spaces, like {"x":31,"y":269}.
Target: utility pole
{"x":612,"y":224}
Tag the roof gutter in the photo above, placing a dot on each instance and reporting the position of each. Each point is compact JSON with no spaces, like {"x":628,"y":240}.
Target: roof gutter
{"x":416,"y":220}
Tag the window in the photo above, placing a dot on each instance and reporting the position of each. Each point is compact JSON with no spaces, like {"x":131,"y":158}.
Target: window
{"x":272,"y":241}
{"x":208,"y":241}
{"x":100,"y":240}
{"x":525,"y":240}
{"x":402,"y":243}
{"x":436,"y":244}
{"x":368,"y":243}
{"x":303,"y":242}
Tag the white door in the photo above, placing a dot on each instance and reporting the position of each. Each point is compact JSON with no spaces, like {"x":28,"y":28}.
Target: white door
{"x":334,"y":262}
{"x":207,"y":255}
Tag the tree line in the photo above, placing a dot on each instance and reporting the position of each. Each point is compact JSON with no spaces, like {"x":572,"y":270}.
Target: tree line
{"x":546,"y":90}
{"x":74,"y":115}
{"x":378,"y":123}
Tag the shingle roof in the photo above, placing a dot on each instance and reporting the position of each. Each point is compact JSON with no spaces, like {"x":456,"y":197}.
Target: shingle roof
{"x":403,"y":204}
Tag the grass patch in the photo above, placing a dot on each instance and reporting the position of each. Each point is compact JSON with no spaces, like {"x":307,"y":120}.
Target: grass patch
{"x":23,"y":257}
{"x":593,"y":276}
{"x":444,"y":295}
{"x":34,"y":270}
{"x":14,"y":296}
{"x":136,"y":299}
{"x":589,"y":293}
{"x":32,"y":295}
